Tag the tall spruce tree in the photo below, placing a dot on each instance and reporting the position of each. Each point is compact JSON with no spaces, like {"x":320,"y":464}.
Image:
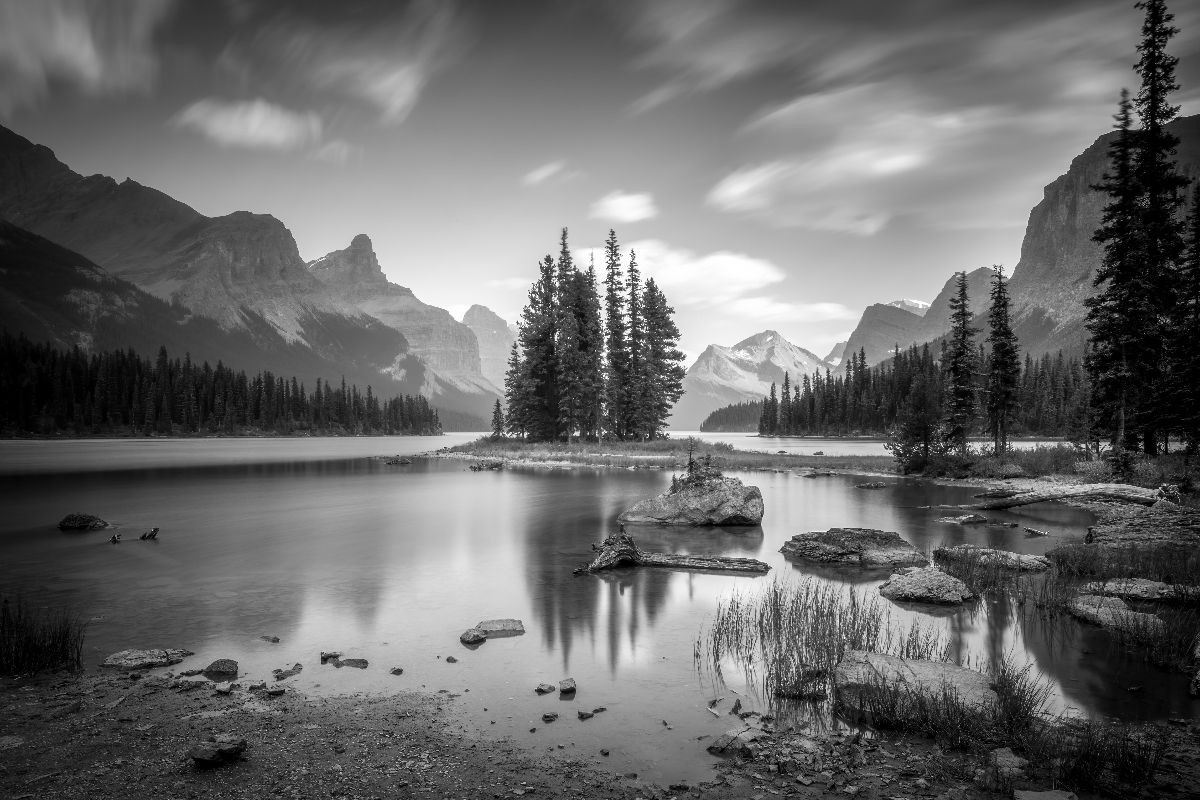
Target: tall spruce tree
{"x":1183,"y":341}
{"x":537,"y":398}
{"x":1004,"y":364}
{"x":616,"y":345}
{"x":572,"y":380}
{"x":663,"y":370}
{"x":591,"y":348}
{"x":1162,"y":196}
{"x":497,"y":421}
{"x":959,"y":368}
{"x":633,"y":390}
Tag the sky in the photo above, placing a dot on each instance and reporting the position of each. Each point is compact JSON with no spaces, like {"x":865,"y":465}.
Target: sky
{"x":773,"y":164}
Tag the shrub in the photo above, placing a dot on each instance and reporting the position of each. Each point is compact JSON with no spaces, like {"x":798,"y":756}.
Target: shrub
{"x":31,"y":641}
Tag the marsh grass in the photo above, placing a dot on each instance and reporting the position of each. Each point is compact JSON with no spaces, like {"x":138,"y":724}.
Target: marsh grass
{"x":32,"y":641}
{"x":981,"y":575}
{"x":791,"y":635}
{"x":663,"y":454}
{"x":1092,"y":755}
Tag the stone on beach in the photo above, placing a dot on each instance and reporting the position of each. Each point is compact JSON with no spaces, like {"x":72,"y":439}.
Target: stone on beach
{"x":145,"y":659}
{"x":737,"y":742}
{"x":222,"y":667}
{"x":925,"y":585}
{"x":218,"y":750}
{"x":861,"y":676}
{"x":862,"y":546}
{"x":990,"y":557}
{"x":720,"y":501}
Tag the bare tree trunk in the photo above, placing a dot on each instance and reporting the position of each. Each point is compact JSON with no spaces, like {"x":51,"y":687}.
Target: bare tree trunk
{"x":619,"y":550}
{"x":1099,"y":491}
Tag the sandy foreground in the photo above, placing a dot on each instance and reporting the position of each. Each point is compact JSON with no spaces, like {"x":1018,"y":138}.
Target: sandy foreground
{"x":112,"y":734}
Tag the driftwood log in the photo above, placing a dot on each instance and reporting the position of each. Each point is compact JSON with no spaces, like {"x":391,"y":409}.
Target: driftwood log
{"x":1096,"y":491}
{"x":619,"y":550}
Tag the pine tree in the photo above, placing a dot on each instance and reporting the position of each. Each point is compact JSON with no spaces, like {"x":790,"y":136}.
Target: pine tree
{"x":633,"y":390}
{"x":1162,"y":196}
{"x":573,"y":404}
{"x":1183,"y":376}
{"x":663,"y":371}
{"x":533,"y":400}
{"x":958,"y":366}
{"x":617,"y":353}
{"x":1004,"y":364}
{"x":497,"y":421}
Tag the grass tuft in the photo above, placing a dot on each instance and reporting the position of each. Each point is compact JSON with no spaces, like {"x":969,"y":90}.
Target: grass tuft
{"x":32,"y":641}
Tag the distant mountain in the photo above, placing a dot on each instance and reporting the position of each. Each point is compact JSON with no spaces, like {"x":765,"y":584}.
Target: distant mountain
{"x":448,"y":348}
{"x":884,"y":326}
{"x":918,"y":307}
{"x":242,"y":271}
{"x":741,"y":373}
{"x":495,"y":338}
{"x":836,"y":354}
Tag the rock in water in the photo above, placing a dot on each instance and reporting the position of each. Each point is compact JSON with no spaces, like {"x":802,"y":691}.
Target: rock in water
{"x":81,"y":522}
{"x":472,"y":636}
{"x":497,"y":628}
{"x":862,"y":546}
{"x":737,"y":742}
{"x":145,"y":659}
{"x":544,"y":688}
{"x":861,"y":676}
{"x":566,"y":686}
{"x":965,"y":519}
{"x":925,"y":585}
{"x":989,"y":557}
{"x":1112,"y":612}
{"x":720,"y":501}
{"x":356,"y":663}
{"x":221,"y":668}
{"x":1133,"y":589}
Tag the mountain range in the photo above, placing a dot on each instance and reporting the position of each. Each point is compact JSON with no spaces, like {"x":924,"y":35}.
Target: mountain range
{"x":146,"y":269}
{"x":725,"y":375}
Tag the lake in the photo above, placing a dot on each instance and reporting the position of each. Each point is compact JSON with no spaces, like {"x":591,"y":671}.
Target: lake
{"x":315,"y":542}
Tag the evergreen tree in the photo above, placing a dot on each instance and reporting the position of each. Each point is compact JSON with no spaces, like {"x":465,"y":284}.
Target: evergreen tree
{"x":616,"y":348}
{"x":663,"y":371}
{"x":958,"y":365}
{"x":570,"y":370}
{"x":1183,"y":385}
{"x":535,"y":401}
{"x":591,"y":348}
{"x":633,"y":389}
{"x":1004,"y":364}
{"x":497,"y":421}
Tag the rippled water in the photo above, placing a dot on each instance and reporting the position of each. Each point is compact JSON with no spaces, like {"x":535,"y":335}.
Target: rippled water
{"x":314,"y":542}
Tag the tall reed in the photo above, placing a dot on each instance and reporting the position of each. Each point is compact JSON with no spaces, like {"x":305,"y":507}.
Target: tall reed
{"x":32,"y":641}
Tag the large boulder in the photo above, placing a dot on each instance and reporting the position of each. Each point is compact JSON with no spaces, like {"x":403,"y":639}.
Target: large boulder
{"x":221,"y":669}
{"x":81,"y":522}
{"x":861,"y":677}
{"x":145,"y":659}
{"x":989,"y":557}
{"x":719,"y":501}
{"x":925,"y":585}
{"x":1114,"y":613}
{"x":862,"y":546}
{"x":217,"y":750}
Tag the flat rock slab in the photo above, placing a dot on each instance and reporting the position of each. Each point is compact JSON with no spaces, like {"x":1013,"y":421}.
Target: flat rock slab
{"x":965,"y":519}
{"x":1114,"y":613}
{"x":82,"y":522}
{"x":495,"y":628}
{"x":737,"y":742}
{"x":990,"y":557}
{"x":1049,"y":794}
{"x":861,"y":676}
{"x":861,"y":546}
{"x":723,"y":501}
{"x":1133,"y":589}
{"x":145,"y":659}
{"x":925,"y":585}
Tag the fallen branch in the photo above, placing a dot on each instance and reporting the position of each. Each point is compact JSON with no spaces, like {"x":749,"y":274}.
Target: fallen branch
{"x":1094,"y":491}
{"x":619,"y":550}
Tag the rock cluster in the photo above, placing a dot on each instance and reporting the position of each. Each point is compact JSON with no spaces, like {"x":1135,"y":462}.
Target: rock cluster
{"x":925,"y":585}
{"x":720,"y":501}
{"x":862,"y":546}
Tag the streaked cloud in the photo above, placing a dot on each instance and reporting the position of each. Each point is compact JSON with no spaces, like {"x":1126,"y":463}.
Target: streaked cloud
{"x":336,"y":151}
{"x":251,"y":123}
{"x":771,"y":308}
{"x":620,"y":206}
{"x":543,"y":173}
{"x":97,"y":47}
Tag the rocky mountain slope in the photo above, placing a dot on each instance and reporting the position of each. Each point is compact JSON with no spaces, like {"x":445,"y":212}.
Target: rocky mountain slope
{"x":737,"y":374}
{"x":495,"y":338}
{"x":834,"y":357}
{"x":241,"y":270}
{"x":450,"y":348}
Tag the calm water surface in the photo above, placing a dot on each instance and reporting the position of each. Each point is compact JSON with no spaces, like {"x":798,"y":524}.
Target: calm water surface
{"x":315,"y":542}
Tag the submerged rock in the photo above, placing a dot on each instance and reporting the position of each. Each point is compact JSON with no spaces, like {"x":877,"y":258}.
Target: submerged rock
{"x":145,"y":659}
{"x":990,"y":557}
{"x":82,"y":522}
{"x":472,"y":636}
{"x":861,"y":679}
{"x":925,"y":585}
{"x":1133,"y":589}
{"x":863,"y":546}
{"x":284,"y":674}
{"x":496,"y":628}
{"x":545,"y":688}
{"x":356,"y":663}
{"x":1114,"y":613}
{"x":719,"y":501}
{"x":871,"y":485}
